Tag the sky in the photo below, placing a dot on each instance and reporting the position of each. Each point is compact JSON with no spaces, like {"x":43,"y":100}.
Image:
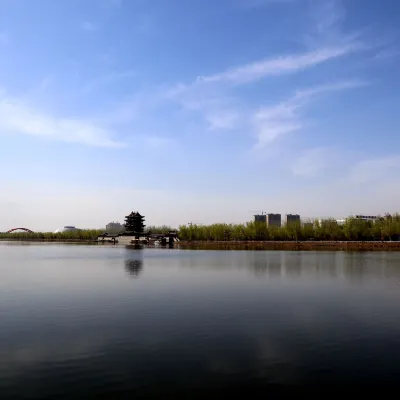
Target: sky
{"x":197,"y":110}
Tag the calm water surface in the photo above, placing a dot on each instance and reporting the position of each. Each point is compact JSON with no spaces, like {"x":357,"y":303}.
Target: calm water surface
{"x":86,"y":321}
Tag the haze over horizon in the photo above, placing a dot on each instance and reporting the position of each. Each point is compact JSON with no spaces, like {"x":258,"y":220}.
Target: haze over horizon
{"x":193,"y":110}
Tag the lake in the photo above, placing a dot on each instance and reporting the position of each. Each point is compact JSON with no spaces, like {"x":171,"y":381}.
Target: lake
{"x":80,"y":321}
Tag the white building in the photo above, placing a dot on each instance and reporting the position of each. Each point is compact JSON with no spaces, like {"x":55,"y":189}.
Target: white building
{"x":67,"y":229}
{"x":338,"y":221}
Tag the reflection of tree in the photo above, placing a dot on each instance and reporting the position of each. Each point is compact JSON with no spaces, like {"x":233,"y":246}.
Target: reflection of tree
{"x":133,"y":267}
{"x":265,"y":263}
{"x":357,"y":266}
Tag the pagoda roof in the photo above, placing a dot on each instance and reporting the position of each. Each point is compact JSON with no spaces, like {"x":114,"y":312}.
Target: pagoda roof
{"x":134,"y":214}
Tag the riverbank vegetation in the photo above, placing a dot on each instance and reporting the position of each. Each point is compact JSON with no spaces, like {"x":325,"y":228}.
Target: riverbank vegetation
{"x":79,"y":235}
{"x":159,"y":229}
{"x":385,"y":228}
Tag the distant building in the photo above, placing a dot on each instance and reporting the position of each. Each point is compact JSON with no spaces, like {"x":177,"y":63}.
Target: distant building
{"x":67,"y":229}
{"x":338,"y":221}
{"x":114,"y":227}
{"x":292,"y":219}
{"x":343,"y":221}
{"x":260,"y":218}
{"x":274,"y":220}
{"x":371,"y":218}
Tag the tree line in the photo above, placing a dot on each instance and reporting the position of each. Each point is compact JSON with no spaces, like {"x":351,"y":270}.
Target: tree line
{"x":385,"y":228}
{"x":82,"y":234}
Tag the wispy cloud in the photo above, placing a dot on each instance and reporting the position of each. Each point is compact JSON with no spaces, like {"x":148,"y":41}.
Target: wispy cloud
{"x":279,"y":65}
{"x":222,"y":112}
{"x":89,"y":26}
{"x":211,"y":95}
{"x":326,"y":15}
{"x":285,"y":117}
{"x":217,"y":97}
{"x":325,"y":24}
{"x":18,"y":118}
{"x":305,"y":94}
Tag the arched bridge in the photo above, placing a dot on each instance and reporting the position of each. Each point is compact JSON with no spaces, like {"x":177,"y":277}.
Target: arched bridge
{"x":19,"y":229}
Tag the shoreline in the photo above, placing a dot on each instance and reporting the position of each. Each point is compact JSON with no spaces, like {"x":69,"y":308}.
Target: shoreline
{"x":48,"y":240}
{"x":292,"y":245}
{"x":250,"y":245}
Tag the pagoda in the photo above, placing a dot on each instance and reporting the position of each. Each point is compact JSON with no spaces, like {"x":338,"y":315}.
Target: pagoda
{"x":134,"y":222}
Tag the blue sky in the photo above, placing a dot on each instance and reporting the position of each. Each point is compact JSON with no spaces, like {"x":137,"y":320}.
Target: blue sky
{"x":197,"y":110}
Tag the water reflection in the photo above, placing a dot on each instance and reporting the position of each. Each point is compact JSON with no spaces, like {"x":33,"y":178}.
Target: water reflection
{"x":133,"y":267}
{"x":134,"y":260}
{"x":265,"y":263}
{"x":354,"y":267}
{"x":198,"y":320}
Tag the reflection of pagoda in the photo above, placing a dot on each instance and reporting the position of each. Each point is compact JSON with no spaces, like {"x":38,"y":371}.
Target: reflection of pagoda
{"x":133,"y":267}
{"x":134,"y":223}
